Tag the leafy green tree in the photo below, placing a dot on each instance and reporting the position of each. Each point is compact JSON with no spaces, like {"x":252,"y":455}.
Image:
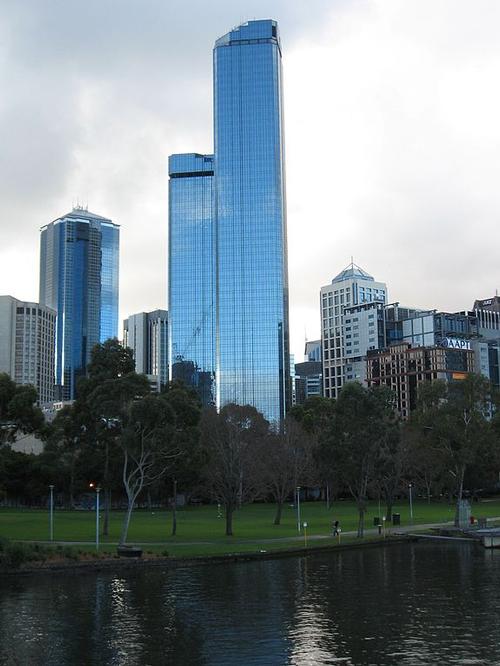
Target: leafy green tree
{"x":427,"y":464}
{"x":464,"y":428}
{"x":453,"y":419}
{"x":110,"y":360}
{"x":184,"y":469}
{"x":18,"y":410}
{"x":362,"y":421}
{"x":65,"y":442}
{"x":110,"y":384}
{"x":315,"y":417}
{"x":391,"y":460}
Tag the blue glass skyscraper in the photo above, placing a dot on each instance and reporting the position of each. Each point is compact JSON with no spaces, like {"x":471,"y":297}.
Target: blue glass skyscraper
{"x":246,"y":270}
{"x":79,"y":280}
{"x":192,"y":273}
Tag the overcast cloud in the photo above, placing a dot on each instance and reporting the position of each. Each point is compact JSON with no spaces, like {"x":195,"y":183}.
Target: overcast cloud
{"x":392,"y":135}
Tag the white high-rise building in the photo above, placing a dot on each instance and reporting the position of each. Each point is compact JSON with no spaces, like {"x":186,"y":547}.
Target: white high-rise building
{"x":146,"y":333}
{"x":352,"y":322}
{"x":27,"y":345}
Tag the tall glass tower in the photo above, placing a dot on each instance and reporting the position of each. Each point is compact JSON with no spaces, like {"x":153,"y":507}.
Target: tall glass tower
{"x":79,"y":280}
{"x":192,"y":273}
{"x":243,"y":262}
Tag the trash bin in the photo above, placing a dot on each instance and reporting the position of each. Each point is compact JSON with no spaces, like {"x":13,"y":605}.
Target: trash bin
{"x":376,"y":521}
{"x":396,"y":519}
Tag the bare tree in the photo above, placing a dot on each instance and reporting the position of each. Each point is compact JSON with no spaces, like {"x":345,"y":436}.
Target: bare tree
{"x":230,"y":439}
{"x":285,"y":462}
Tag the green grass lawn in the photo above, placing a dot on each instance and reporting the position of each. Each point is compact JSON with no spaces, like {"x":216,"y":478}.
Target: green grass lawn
{"x":200,"y":531}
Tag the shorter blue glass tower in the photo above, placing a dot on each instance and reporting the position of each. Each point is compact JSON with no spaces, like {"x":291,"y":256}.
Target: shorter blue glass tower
{"x":79,"y":254}
{"x":192,"y":273}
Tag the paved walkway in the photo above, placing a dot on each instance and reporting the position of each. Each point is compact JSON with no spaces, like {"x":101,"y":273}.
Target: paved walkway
{"x":400,"y":529}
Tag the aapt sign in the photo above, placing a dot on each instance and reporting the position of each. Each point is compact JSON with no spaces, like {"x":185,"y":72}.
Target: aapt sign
{"x":455,"y":343}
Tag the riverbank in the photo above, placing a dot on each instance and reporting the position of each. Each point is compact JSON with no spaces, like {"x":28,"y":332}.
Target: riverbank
{"x":200,"y":534}
{"x":115,"y":563}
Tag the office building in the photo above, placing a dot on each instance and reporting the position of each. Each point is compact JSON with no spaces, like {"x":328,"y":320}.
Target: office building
{"x":402,"y":368}
{"x":146,"y":333}
{"x":308,"y":375}
{"x":228,"y":284}
{"x":308,"y":381}
{"x":351,"y":324}
{"x":425,"y":345}
{"x":79,"y":280}
{"x":27,"y":342}
{"x":488,"y":304}
{"x":192,"y":273}
{"x":313,"y":351}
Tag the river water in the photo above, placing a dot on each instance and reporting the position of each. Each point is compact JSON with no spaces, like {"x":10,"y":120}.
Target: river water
{"x":422,"y":603}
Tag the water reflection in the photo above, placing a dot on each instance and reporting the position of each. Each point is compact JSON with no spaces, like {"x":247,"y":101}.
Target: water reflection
{"x":410,"y":604}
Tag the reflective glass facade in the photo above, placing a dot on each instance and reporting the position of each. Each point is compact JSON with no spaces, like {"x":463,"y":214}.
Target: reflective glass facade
{"x":79,"y":280}
{"x":242,"y":258}
{"x":192,"y":273}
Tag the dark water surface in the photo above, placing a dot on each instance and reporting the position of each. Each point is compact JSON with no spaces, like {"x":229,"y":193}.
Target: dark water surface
{"x":423,"y":603}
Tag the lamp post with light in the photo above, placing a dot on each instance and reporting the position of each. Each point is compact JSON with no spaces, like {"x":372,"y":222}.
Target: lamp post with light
{"x":410,"y":487}
{"x":298,"y":509}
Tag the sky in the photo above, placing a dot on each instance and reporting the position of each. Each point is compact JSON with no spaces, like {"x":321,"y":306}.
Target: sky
{"x":392,"y":137}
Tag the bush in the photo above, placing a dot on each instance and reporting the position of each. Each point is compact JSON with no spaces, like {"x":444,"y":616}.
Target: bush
{"x":70,"y":554}
{"x":14,"y":554}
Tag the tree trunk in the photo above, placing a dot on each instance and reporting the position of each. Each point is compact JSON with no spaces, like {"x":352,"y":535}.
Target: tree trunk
{"x":279,"y":509}
{"x":107,"y":502}
{"x":361,"y":522}
{"x":327,"y":496}
{"x":105,"y":522}
{"x":126,"y":521}
{"x":174,"y":510}
{"x":229,"y":520}
{"x":388,"y":510}
{"x":72,"y":485}
{"x":461,"y":484}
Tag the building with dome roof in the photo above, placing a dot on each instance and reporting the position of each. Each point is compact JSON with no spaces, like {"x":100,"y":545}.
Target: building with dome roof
{"x":352,"y":322}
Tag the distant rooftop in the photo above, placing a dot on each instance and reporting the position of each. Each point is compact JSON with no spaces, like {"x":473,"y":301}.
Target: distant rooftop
{"x":351,"y":272}
{"x":82,"y":213}
{"x":251,"y":30}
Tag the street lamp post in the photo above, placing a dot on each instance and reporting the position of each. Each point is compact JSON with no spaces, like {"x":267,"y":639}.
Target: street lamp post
{"x":51,"y":513}
{"x":410,"y":486}
{"x":97,"y":491}
{"x":298,"y":509}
